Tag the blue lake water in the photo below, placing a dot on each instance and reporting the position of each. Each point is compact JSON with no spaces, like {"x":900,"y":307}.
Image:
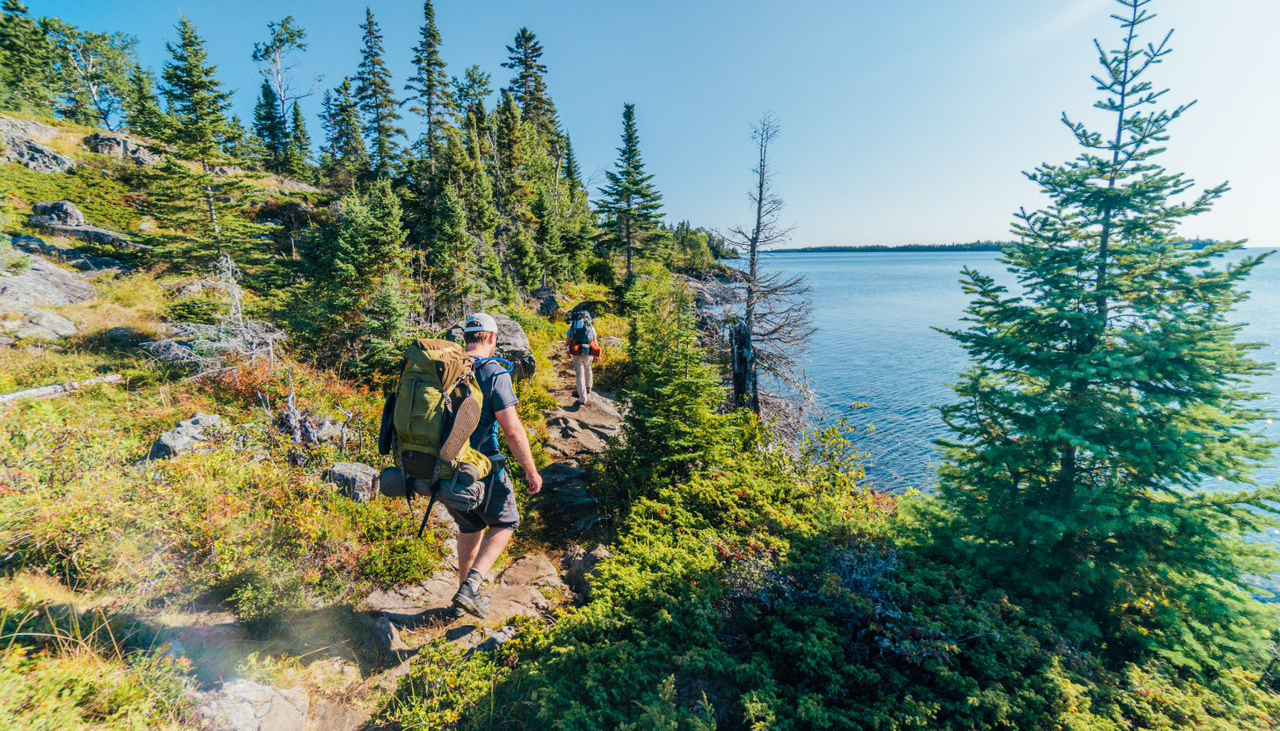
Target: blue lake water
{"x":875,"y":345}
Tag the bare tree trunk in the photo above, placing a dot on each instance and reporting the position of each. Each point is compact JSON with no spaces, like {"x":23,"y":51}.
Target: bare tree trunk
{"x":59,"y":389}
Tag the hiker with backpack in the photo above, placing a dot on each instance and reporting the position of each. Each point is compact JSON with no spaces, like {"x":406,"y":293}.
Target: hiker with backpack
{"x":442,"y":426}
{"x":583,"y":348}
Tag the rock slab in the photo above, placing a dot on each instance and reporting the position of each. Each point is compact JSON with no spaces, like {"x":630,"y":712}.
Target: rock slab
{"x":42,"y":283}
{"x":120,"y":146}
{"x":184,"y":437}
{"x":24,"y":143}
{"x":38,"y":325}
{"x":247,"y":705}
{"x":63,"y":218}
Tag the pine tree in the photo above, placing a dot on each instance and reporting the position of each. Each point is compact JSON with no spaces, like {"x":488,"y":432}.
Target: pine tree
{"x":299,"y":165}
{"x":514,"y":193}
{"x":345,"y":157}
{"x":631,"y":204}
{"x":429,"y":86}
{"x":197,"y":103}
{"x":353,"y":304}
{"x":472,"y":89}
{"x":142,"y":112}
{"x":270,"y":126}
{"x":548,"y":246}
{"x":448,"y":252}
{"x":528,"y":85}
{"x":570,"y":169}
{"x":1105,"y":393}
{"x":199,"y":226}
{"x":28,"y":79}
{"x":377,"y":101}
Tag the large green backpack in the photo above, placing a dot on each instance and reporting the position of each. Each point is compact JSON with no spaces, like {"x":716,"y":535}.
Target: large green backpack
{"x":437,"y":405}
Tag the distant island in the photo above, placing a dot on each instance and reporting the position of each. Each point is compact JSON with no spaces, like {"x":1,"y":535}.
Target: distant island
{"x":971,"y":246}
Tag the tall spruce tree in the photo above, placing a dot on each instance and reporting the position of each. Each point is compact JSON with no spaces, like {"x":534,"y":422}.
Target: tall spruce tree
{"x":472,"y":89}
{"x":271,"y":128}
{"x":197,"y":103}
{"x":142,"y":113}
{"x":631,"y":204}
{"x":528,"y":86}
{"x":377,"y":100}
{"x":429,"y":90}
{"x":345,"y":158}
{"x":1107,"y":390}
{"x":299,"y":164}
{"x":514,"y":192}
{"x":28,"y":78}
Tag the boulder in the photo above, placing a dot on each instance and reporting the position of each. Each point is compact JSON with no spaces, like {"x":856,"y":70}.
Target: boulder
{"x":39,"y":325}
{"x":120,"y":146}
{"x":548,"y":302}
{"x":42,"y":283}
{"x":532,"y":570}
{"x":387,"y":637}
{"x":72,"y":256}
{"x":184,"y":437}
{"x":355,"y":480}
{"x":123,"y":336}
{"x":60,"y":213}
{"x":580,"y":565}
{"x":513,"y":344}
{"x":62,"y":218}
{"x":247,"y":705}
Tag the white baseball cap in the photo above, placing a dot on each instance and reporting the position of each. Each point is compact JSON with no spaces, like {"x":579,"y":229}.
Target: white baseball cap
{"x":480,"y":322}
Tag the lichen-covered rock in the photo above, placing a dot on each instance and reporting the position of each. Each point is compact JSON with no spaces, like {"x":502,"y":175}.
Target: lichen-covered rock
{"x":580,"y":565}
{"x":184,"y":437}
{"x":39,"y":325}
{"x":355,"y":480}
{"x":24,"y":143}
{"x":121,"y":146}
{"x":513,"y":344}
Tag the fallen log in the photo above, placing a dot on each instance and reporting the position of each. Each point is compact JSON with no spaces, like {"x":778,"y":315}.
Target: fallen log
{"x":59,"y":389}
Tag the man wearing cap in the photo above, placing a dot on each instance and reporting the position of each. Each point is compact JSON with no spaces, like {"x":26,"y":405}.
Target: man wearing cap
{"x":483,"y":533}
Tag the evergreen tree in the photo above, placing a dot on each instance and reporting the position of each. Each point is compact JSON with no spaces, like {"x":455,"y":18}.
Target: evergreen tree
{"x":377,"y":101}
{"x":572,"y":173}
{"x":197,"y":103}
{"x":528,"y":85}
{"x":548,"y":247}
{"x":241,"y":147}
{"x":270,"y":126}
{"x":631,"y":204}
{"x":1107,"y":391}
{"x":345,"y":157}
{"x":28,"y":80}
{"x":472,"y":89}
{"x":299,"y":165}
{"x":429,"y":86}
{"x":285,"y":38}
{"x":197,"y":225}
{"x":448,"y":251}
{"x":514,"y":194}
{"x":353,"y":304}
{"x":142,"y":113}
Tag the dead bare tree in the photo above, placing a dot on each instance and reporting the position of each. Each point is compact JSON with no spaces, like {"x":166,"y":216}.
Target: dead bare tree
{"x":775,"y":325}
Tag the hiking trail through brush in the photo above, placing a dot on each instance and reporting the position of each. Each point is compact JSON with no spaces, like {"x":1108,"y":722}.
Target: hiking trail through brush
{"x":360,"y":653}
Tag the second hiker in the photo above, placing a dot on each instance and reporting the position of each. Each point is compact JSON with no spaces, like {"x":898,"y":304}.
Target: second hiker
{"x":583,"y":348}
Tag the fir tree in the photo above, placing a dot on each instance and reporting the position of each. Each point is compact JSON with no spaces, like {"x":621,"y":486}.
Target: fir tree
{"x":429,"y":86}
{"x":142,"y":113}
{"x":270,"y":126}
{"x":28,"y":79}
{"x":570,"y":169}
{"x":548,"y":246}
{"x":528,"y":85}
{"x":1107,"y":391}
{"x":473,"y":89}
{"x":299,"y":165}
{"x":448,"y":251}
{"x":377,"y":100}
{"x":514,"y":193}
{"x":197,"y":103}
{"x":198,"y":225}
{"x":345,"y":156}
{"x":631,"y":204}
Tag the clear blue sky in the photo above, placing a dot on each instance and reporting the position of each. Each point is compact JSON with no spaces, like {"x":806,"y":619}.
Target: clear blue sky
{"x":901,"y":122}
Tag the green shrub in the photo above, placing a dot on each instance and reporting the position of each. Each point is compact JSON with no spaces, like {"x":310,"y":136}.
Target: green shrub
{"x":195,"y":310}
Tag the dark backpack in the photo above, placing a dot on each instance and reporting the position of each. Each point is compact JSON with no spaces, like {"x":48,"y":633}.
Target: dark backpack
{"x":582,"y":333}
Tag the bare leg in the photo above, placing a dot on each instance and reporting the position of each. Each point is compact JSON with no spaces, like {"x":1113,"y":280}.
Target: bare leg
{"x":468,"y":547}
{"x":495,"y":542}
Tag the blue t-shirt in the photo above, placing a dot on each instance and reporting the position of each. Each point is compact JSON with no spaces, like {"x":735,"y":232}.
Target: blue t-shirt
{"x":495,"y":386}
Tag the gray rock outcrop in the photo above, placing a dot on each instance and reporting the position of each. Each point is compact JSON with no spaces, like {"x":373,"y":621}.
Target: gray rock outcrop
{"x":513,"y":344}
{"x":580,"y":565}
{"x":38,"y":325}
{"x":585,"y":428}
{"x":63,"y":218}
{"x":70,"y":255}
{"x":40,"y":284}
{"x":184,"y":437}
{"x":114,"y":144}
{"x":24,"y":143}
{"x":247,"y":705}
{"x":355,"y":480}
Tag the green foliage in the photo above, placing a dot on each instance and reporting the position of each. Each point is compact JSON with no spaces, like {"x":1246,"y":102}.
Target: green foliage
{"x":429,"y":86}
{"x":345,"y":157}
{"x":204,"y":216}
{"x":142,"y":111}
{"x":1105,"y":395}
{"x":271,"y":127}
{"x":28,"y":79}
{"x":196,"y":310}
{"x":197,"y":103}
{"x":528,"y":87}
{"x":442,"y":685}
{"x":103,"y":198}
{"x":93,"y":69}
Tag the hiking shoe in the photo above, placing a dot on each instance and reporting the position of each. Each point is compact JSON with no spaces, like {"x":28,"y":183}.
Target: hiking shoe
{"x":471,"y":602}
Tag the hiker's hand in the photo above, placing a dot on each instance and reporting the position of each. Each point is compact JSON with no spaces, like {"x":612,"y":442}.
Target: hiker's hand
{"x":535,"y":482}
